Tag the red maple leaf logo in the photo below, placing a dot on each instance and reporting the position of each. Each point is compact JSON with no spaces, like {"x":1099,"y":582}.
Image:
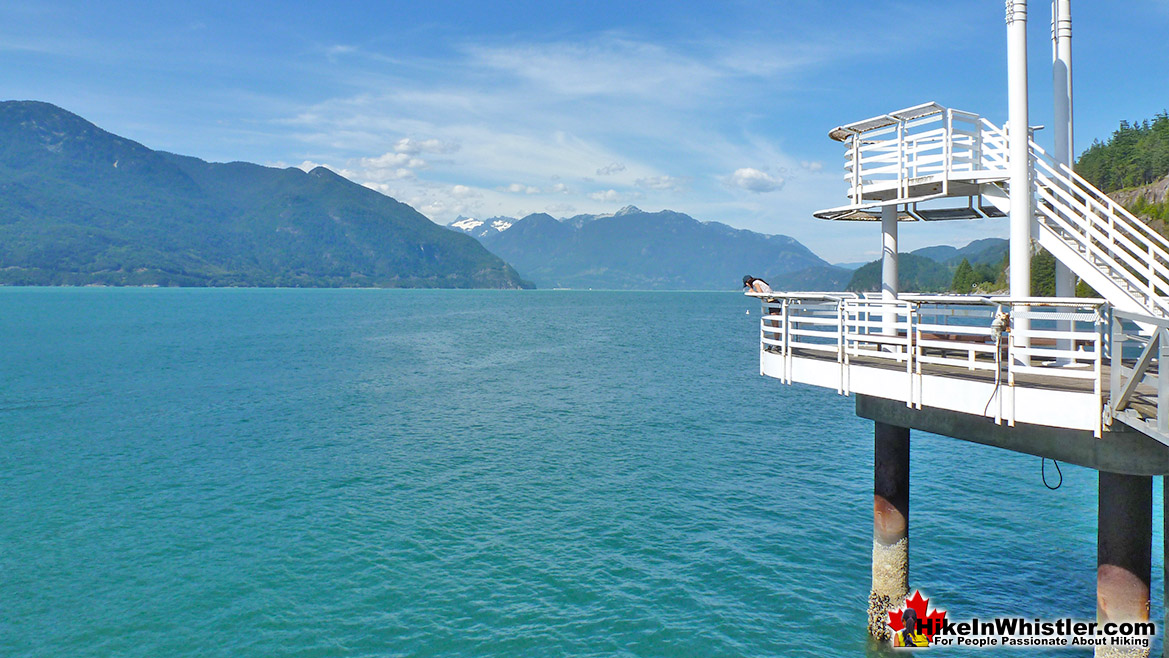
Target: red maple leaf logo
{"x":929,"y":624}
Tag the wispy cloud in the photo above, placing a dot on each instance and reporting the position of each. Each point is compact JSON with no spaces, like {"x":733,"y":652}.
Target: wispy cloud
{"x":753,"y":180}
{"x":531,"y":124}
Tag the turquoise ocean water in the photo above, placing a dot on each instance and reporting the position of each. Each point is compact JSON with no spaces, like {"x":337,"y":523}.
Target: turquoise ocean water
{"x":472,"y":473}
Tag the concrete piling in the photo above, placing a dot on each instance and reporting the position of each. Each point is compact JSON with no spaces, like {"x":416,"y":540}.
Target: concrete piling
{"x":1124,"y":553}
{"x":890,"y":525}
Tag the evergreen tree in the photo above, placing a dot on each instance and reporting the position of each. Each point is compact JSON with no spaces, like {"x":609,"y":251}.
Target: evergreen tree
{"x":1042,"y":274}
{"x":964,"y":278}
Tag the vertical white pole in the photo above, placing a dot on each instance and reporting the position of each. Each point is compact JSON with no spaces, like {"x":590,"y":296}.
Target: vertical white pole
{"x":1061,"y":33}
{"x":1019,"y":152}
{"x":1018,"y":134}
{"x":889,"y":287}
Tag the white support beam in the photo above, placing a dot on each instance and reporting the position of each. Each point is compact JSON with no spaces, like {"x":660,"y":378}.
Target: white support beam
{"x":889,"y":286}
{"x":1019,"y":163}
{"x":1019,"y":153}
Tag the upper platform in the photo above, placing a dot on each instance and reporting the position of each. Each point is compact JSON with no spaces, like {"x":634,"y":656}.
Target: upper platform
{"x":919,"y":154}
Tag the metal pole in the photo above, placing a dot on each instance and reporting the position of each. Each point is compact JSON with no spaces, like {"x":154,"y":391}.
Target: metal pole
{"x":1061,"y":72}
{"x":1019,"y":153}
{"x":889,"y":288}
{"x":1061,"y":34}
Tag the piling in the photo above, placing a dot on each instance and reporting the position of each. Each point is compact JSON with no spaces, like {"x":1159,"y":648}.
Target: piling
{"x":1124,"y":553}
{"x":890,"y":525}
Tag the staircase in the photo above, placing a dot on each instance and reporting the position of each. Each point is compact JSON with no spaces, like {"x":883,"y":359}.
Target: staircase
{"x":1105,"y":245}
{"x":926,"y":157}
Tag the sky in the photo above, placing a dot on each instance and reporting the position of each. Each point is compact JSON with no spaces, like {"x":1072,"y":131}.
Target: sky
{"x":719,"y":110}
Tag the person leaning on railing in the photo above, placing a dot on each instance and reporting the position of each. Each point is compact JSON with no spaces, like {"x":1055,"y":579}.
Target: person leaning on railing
{"x":755,"y":284}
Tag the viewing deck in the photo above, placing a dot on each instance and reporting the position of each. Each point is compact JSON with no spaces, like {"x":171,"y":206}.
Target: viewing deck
{"x":919,"y":154}
{"x":1075,"y":364}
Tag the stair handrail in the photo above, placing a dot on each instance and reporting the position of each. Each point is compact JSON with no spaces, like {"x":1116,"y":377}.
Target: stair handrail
{"x":1104,"y":228}
{"x":1090,"y":236}
{"x":1105,"y":202}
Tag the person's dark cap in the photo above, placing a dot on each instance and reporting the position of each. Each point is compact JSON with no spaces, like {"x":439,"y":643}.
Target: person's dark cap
{"x":747,"y":280}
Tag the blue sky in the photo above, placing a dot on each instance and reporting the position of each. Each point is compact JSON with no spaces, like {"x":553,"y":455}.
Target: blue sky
{"x":718,"y":110}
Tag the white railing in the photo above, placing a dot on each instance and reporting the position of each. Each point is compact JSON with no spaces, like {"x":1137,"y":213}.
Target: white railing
{"x":1108,"y":237}
{"x":1139,"y":386}
{"x":892,"y":156}
{"x":1059,"y":343}
{"x":917,"y":154}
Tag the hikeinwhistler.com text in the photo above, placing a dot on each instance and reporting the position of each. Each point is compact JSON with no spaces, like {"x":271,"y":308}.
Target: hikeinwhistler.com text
{"x":1019,"y":632}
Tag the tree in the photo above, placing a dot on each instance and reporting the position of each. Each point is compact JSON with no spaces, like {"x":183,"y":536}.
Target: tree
{"x":964,"y":278}
{"x":1042,"y":274}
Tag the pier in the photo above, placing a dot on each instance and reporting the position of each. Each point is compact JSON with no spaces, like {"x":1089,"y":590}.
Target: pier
{"x":1077,"y":380}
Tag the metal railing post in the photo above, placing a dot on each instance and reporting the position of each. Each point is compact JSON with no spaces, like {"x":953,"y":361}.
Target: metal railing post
{"x":856,"y":169}
{"x":1116,"y":361}
{"x":1163,"y":381}
{"x":786,"y":343}
{"x":902,"y":184}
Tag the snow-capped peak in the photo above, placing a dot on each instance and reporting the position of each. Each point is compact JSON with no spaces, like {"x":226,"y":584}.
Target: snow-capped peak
{"x":467,"y":223}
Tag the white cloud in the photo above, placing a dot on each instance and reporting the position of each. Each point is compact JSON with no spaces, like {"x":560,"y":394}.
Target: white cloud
{"x":753,"y":180}
{"x":410,"y":146}
{"x":812,"y":165}
{"x":661,"y":183}
{"x":463,"y":192}
{"x":605,"y":66}
{"x":393,"y":160}
{"x":309,"y":165}
{"x":528,"y":126}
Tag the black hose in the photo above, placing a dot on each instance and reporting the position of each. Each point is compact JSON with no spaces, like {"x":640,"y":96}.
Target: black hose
{"x":1043,"y":473}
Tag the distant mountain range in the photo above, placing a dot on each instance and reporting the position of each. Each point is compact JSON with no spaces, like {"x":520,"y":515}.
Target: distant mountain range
{"x":989,"y":251}
{"x":930,"y":269}
{"x":634,"y":249}
{"x":79,"y":205}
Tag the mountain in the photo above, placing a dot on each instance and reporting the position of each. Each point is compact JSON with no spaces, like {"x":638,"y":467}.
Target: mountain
{"x":988,"y":251}
{"x":939,"y":254}
{"x":914,"y":274}
{"x":634,"y":249}
{"x":479,"y":228}
{"x":931,"y":269}
{"x":1149,"y":202}
{"x":821,"y":278}
{"x":79,"y":205}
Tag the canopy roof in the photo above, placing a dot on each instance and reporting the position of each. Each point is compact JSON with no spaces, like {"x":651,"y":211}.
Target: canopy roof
{"x":842,"y":133}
